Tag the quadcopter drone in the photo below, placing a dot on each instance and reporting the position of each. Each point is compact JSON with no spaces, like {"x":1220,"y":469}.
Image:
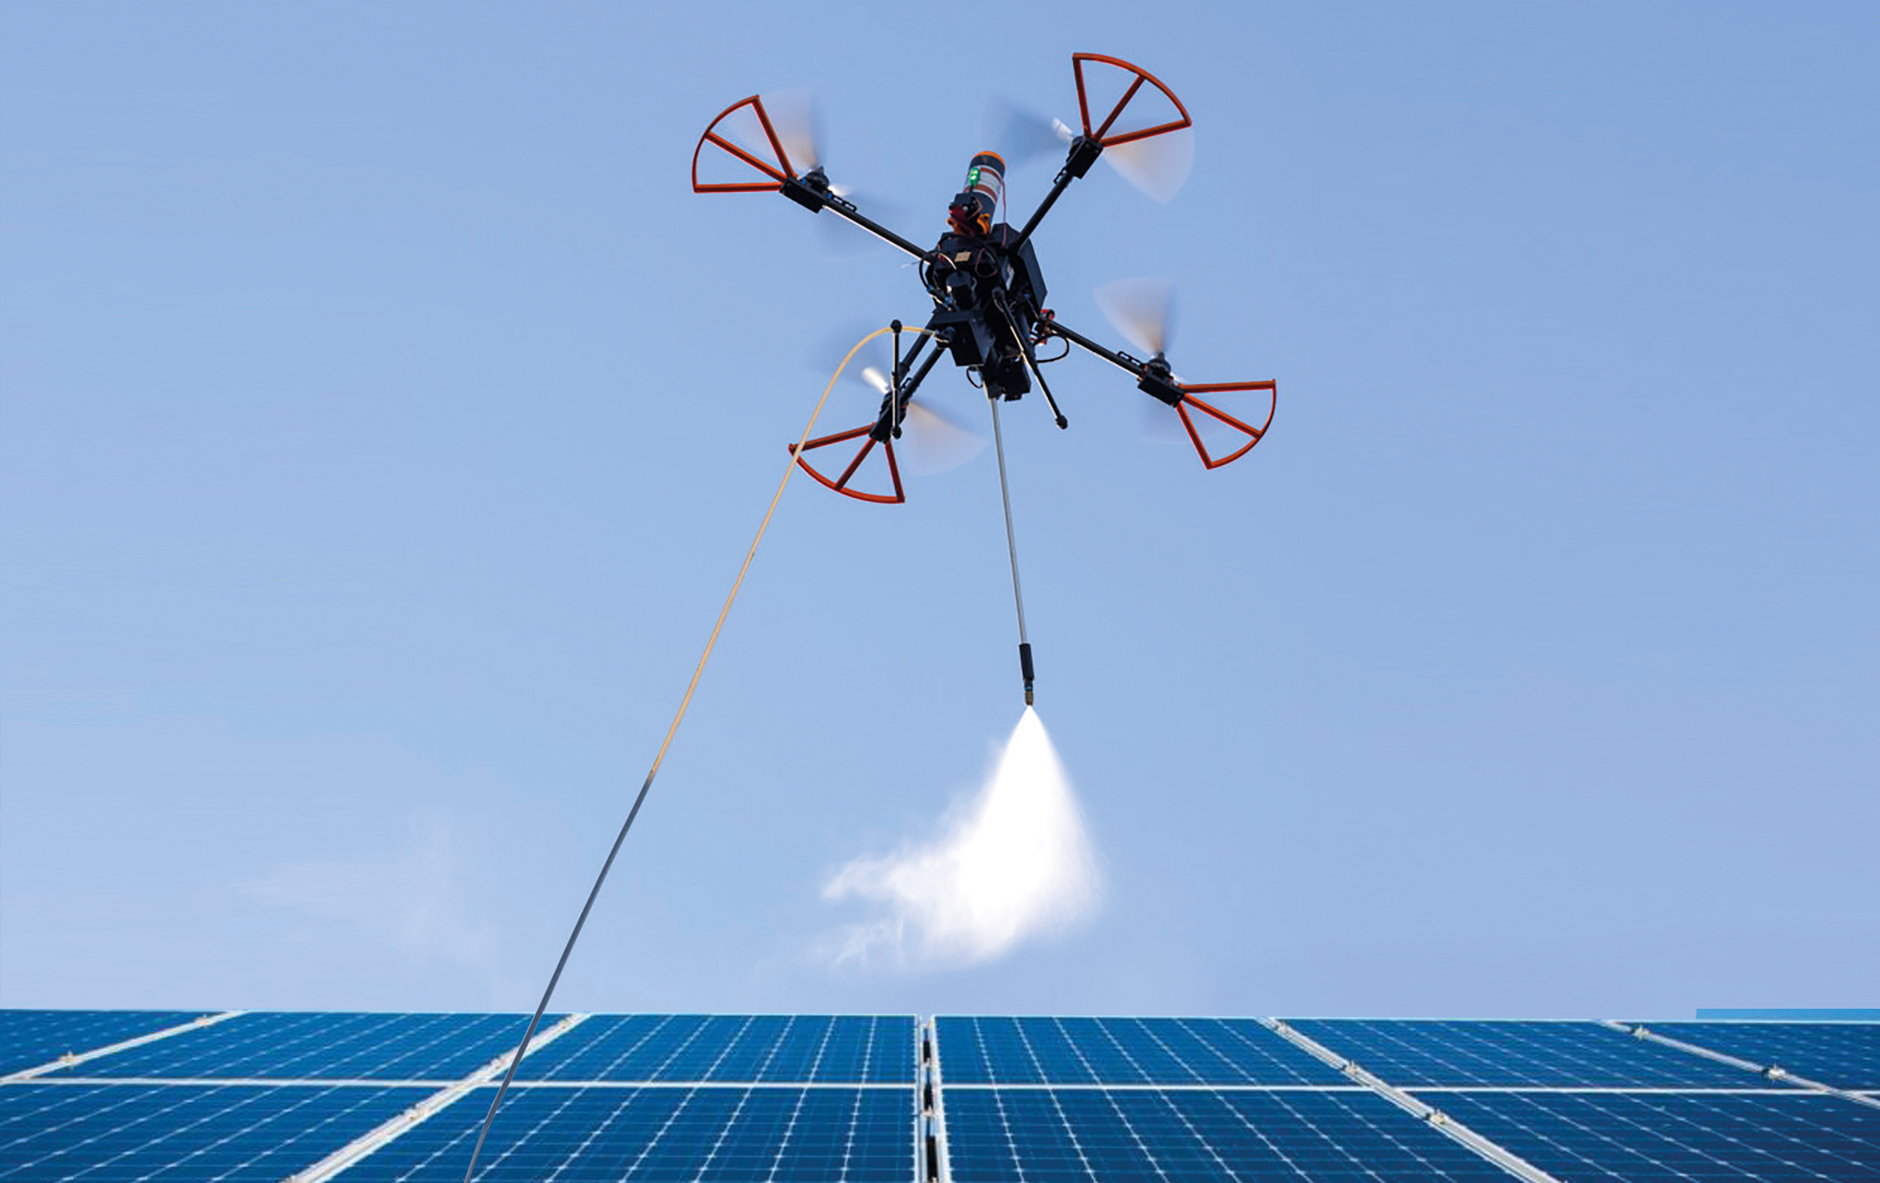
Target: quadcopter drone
{"x":987,"y":290}
{"x":983,"y":276}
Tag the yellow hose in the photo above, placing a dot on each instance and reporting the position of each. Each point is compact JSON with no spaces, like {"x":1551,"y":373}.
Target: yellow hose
{"x":685,"y":702}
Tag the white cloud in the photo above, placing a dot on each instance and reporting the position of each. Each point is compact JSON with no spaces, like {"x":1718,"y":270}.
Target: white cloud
{"x":1012,"y":864}
{"x":412,"y":899}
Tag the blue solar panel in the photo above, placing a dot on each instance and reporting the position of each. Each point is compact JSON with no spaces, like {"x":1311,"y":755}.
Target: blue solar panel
{"x":664,"y":1133}
{"x":1772,"y":1137}
{"x":1120,"y":1051}
{"x":309,"y":1046}
{"x":835,"y":1099}
{"x":29,"y":1038}
{"x":1409,"y":1052}
{"x":849,"y":1049}
{"x":1086,"y":1135}
{"x":110,"y":1132}
{"x":1845,"y":1055}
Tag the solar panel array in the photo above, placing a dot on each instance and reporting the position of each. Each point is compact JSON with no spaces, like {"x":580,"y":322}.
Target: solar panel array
{"x":104,"y":1096}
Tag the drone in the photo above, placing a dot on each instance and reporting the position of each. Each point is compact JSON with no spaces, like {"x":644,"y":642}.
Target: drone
{"x":983,"y":277}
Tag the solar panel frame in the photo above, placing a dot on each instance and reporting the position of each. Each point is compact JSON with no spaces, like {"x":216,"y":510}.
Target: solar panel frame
{"x":1771,"y":1135}
{"x":1412,"y":1053}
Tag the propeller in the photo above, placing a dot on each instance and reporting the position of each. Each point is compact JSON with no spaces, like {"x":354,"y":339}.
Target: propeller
{"x":1158,"y":165}
{"x":1022,"y":135}
{"x":793,"y":117}
{"x":933,"y":441}
{"x":1142,"y":310}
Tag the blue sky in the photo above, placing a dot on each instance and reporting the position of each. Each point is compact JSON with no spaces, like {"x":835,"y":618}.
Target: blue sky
{"x":384,"y":420}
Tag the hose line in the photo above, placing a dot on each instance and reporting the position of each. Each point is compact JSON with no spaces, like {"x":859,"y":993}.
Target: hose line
{"x":522,"y":1048}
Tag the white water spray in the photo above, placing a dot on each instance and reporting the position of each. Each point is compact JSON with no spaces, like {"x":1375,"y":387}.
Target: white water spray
{"x":1011,"y":864}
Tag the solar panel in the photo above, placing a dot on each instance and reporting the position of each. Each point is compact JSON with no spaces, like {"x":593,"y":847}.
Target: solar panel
{"x":848,"y":1049}
{"x":318,"y":1045}
{"x":1086,"y":1135}
{"x":837,"y":1099}
{"x":108,"y":1132}
{"x":1411,"y":1052}
{"x":1120,"y":1051}
{"x":1845,"y":1055}
{"x":647,"y":1133}
{"x":29,"y":1038}
{"x":1773,"y":1137}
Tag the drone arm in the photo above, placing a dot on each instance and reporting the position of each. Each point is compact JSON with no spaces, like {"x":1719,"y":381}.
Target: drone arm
{"x":847,"y":209}
{"x":1121,"y":361}
{"x":1152,"y":377}
{"x":1083,"y":154}
{"x":813,"y":193}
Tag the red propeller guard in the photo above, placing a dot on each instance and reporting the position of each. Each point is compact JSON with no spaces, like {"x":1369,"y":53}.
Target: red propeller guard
{"x":1254,"y":434}
{"x":841,"y":483}
{"x":768,"y":168}
{"x":1101,"y":132}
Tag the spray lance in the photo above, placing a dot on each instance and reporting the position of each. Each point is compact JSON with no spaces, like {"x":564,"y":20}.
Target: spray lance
{"x":971,"y":213}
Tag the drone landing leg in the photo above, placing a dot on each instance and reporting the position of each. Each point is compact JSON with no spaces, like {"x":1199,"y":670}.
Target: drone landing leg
{"x":1037,"y":373}
{"x":894,"y":403}
{"x":1031,"y":360}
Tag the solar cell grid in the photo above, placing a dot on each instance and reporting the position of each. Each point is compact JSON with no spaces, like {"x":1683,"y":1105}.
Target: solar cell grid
{"x":316,"y":1045}
{"x":847,"y":1049}
{"x":1034,"y":1050}
{"x":1772,"y":1137}
{"x":1411,"y":1052}
{"x":106,"y":1133}
{"x":29,"y":1038}
{"x":1086,"y":1135}
{"x":1845,"y":1055}
{"x":639,"y":1135}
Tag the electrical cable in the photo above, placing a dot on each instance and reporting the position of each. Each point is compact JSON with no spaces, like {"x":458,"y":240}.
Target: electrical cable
{"x":522,"y":1048}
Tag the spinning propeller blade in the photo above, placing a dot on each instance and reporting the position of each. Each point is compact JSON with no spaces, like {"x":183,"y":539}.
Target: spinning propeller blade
{"x":793,"y":118}
{"x":935,"y":441}
{"x":1022,"y":135}
{"x":1159,"y":165}
{"x":1141,"y":309}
